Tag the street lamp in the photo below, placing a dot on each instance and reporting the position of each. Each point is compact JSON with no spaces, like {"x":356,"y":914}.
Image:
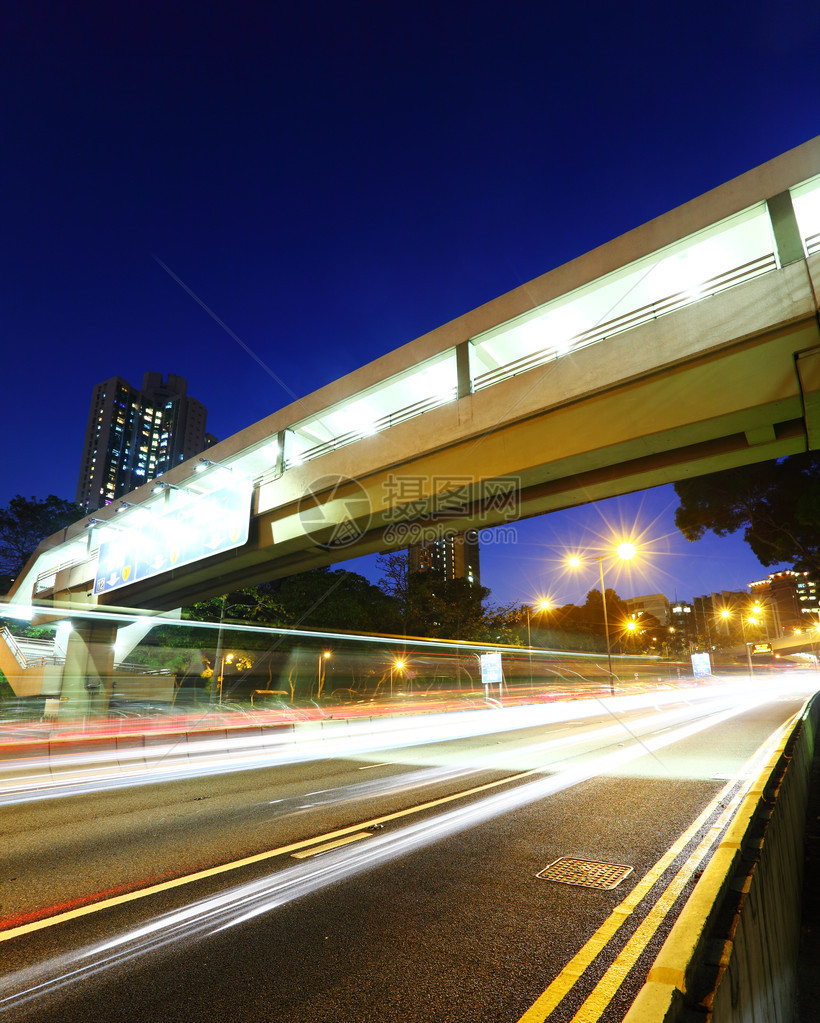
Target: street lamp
{"x":542,"y":605}
{"x":668,"y":643}
{"x":725,"y":614}
{"x":324,"y":657}
{"x":218,"y":659}
{"x":768,"y":612}
{"x":625,"y":551}
{"x":399,"y":666}
{"x":227,"y":659}
{"x":751,"y":620}
{"x":754,"y":621}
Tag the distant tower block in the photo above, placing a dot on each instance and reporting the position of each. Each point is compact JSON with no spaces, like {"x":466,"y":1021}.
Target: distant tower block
{"x":451,"y":557}
{"x":135,"y":434}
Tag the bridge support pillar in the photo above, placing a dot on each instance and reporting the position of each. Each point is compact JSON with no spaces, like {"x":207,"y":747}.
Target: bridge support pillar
{"x":88,"y":669}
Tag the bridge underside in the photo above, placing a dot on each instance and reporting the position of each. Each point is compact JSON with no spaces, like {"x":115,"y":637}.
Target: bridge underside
{"x":749,"y":401}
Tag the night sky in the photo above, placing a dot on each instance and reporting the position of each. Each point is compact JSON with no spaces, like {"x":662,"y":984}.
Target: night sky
{"x":333,"y":180}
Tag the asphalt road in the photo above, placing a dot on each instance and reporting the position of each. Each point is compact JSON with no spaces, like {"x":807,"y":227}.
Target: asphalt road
{"x":431,"y":910}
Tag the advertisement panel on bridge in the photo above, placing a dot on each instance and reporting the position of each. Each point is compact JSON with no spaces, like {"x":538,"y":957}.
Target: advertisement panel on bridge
{"x":204,"y":525}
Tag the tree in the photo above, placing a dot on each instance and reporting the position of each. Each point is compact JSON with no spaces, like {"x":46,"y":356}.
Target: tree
{"x":581,"y":627}
{"x":319,"y":598}
{"x":502,"y":624}
{"x":250,"y":604}
{"x":27,"y":521}
{"x":336,"y":599}
{"x":777,"y":504}
{"x":430,"y":605}
{"x":395,"y":582}
{"x":445,"y":608}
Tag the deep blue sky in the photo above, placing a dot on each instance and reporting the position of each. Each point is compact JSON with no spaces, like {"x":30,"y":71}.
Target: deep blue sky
{"x":334,"y":180}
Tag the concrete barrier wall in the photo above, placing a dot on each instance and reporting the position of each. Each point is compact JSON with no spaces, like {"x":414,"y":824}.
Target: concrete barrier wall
{"x":732,"y":955}
{"x":65,"y":755}
{"x":58,"y":753}
{"x":759,"y":982}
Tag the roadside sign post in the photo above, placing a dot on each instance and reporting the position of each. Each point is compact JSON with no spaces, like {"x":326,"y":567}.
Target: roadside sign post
{"x":491,"y":671}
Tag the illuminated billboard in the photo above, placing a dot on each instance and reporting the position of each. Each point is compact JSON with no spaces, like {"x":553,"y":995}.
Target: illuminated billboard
{"x":204,"y":525}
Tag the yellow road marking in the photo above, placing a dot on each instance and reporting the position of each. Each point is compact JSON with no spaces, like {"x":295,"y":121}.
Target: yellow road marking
{"x":606,"y":988}
{"x":316,"y":849}
{"x":200,"y":875}
{"x":603,"y":993}
{"x":224,"y":868}
{"x":582,"y":960}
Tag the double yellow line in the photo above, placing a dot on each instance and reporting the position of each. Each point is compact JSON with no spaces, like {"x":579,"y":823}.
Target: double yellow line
{"x":607,"y":987}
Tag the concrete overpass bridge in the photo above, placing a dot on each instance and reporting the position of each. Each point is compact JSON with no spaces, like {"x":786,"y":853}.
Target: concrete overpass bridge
{"x":688,"y":345}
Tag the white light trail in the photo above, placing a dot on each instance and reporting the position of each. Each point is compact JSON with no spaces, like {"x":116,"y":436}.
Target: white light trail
{"x":244,"y":902}
{"x":79,"y":773}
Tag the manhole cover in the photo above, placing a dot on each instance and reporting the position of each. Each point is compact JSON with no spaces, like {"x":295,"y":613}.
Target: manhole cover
{"x":588,"y":873}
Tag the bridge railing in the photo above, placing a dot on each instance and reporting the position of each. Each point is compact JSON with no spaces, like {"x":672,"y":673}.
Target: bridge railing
{"x":47,"y":579}
{"x":617,"y":325}
{"x":384,"y":422}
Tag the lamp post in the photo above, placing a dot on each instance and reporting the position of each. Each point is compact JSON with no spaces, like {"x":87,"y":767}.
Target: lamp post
{"x":631,"y":627}
{"x":542,"y":605}
{"x":219,"y":659}
{"x":624,"y":552}
{"x":324,"y":657}
{"x":227,"y":659}
{"x":399,"y":666}
{"x":218,"y":654}
{"x":724,"y":615}
{"x":761,"y":616}
{"x":746,"y":644}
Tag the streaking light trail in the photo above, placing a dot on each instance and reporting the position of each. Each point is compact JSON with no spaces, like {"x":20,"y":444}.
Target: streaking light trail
{"x":244,"y":902}
{"x":80,"y":773}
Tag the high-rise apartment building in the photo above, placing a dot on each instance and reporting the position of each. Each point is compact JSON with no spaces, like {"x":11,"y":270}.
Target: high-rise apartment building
{"x":808,"y":595}
{"x":789,"y":600}
{"x":454,"y":556}
{"x":136,"y":434}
